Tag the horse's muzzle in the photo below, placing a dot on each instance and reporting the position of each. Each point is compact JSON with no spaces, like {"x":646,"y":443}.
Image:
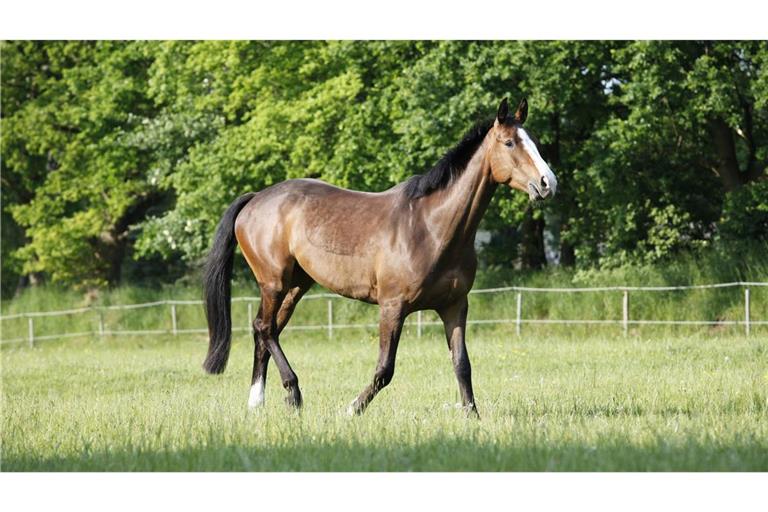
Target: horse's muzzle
{"x":542,"y":189}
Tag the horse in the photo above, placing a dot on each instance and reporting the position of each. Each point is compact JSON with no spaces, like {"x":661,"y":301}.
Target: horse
{"x":409,"y":248}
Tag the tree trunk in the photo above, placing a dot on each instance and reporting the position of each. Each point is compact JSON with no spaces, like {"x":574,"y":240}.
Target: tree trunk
{"x":115,"y":242}
{"x":532,"y":241}
{"x":116,"y":256}
{"x":565,"y":202}
{"x":567,"y":254}
{"x":727,"y":164}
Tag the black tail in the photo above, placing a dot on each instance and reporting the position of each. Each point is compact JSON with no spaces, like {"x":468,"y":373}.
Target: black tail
{"x":218,"y":288}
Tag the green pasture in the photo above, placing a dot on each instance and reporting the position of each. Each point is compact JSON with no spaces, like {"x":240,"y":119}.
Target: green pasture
{"x":548,"y":401}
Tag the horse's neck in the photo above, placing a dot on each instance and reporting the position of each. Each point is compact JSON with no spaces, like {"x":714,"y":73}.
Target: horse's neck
{"x":456,"y":211}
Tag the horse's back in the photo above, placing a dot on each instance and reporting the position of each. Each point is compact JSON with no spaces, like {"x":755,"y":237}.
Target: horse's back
{"x":321,"y":203}
{"x":311,"y":187}
{"x":334,"y":234}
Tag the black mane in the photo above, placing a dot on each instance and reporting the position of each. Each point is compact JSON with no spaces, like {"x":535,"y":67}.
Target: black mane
{"x":451,"y":165}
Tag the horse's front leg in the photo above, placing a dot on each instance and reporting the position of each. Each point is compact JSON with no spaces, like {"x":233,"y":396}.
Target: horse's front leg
{"x":454,"y":319}
{"x":390,"y":327}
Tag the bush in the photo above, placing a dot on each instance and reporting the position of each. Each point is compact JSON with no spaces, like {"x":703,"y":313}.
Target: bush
{"x":745,"y":214}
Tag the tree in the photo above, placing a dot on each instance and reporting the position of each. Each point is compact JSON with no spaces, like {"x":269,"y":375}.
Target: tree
{"x":658,"y":171}
{"x":119,"y":157}
{"x":80,"y":182}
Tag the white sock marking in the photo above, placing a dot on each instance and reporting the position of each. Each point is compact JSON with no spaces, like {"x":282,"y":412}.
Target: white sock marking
{"x":256,"y":397}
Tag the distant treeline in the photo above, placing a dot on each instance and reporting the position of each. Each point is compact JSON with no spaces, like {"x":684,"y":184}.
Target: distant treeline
{"x":118,"y":158}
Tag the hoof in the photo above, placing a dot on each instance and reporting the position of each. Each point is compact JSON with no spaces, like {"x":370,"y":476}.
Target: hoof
{"x":294,"y":400}
{"x":472,"y":411}
{"x":352,"y":410}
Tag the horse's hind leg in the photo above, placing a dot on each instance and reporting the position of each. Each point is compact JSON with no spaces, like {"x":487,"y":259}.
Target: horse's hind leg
{"x":260,"y":363}
{"x":268,"y":329}
{"x":300,"y":283}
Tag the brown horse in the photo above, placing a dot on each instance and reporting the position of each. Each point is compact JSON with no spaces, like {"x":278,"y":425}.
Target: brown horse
{"x":407,"y":249}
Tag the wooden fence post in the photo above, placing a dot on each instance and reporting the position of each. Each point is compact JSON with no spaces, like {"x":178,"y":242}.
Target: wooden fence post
{"x":250,"y":316}
{"x":519,"y":317}
{"x":101,"y":323}
{"x":31,"y":325}
{"x":330,"y":319}
{"x":746,"y":311}
{"x":625,"y":312}
{"x":173,"y":319}
{"x":418,"y":324}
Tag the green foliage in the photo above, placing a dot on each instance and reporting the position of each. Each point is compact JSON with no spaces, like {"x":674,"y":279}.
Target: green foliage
{"x":115,"y":152}
{"x":654,"y":178}
{"x":745,"y":214}
{"x":70,"y":131}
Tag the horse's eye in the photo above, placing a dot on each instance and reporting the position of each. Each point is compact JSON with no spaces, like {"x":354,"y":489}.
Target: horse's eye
{"x":509,"y":143}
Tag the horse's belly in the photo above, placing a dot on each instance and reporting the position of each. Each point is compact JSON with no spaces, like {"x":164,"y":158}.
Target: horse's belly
{"x":350,"y":276}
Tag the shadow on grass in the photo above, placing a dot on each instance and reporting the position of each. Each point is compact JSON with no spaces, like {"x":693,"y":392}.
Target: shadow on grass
{"x":435,"y":455}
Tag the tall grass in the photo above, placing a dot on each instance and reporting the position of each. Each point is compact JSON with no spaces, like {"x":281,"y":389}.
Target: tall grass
{"x":600,"y":403}
{"x":702,"y":305}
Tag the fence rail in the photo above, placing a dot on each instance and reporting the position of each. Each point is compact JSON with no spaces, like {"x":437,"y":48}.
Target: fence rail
{"x":330,"y":326}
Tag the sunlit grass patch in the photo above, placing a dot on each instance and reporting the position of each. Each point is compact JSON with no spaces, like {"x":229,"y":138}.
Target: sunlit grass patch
{"x":547,"y":403}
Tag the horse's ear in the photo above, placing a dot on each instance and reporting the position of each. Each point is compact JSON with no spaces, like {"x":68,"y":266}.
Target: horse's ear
{"x":501,"y":115}
{"x":522,"y":112}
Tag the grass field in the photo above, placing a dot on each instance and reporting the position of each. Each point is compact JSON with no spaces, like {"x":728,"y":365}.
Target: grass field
{"x":597,"y":402}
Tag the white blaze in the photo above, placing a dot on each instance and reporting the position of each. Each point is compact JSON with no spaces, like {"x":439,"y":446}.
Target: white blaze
{"x":541,"y":165}
{"x":256,"y":398}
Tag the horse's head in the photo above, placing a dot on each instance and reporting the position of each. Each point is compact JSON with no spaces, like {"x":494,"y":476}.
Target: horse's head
{"x":515,"y":158}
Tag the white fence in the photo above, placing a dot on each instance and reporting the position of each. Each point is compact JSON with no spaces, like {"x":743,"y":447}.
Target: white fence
{"x":329,"y":326}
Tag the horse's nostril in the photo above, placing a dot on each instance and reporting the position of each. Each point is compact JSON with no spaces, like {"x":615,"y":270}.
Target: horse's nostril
{"x":544,"y":182}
